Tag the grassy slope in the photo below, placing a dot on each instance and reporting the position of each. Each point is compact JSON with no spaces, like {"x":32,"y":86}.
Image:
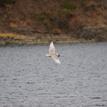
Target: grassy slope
{"x":32,"y":21}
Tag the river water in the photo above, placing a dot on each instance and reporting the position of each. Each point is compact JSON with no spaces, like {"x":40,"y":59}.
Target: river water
{"x":30,"y":79}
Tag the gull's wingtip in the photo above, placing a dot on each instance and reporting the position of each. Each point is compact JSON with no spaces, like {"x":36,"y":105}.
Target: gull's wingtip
{"x":46,"y":55}
{"x":51,"y":45}
{"x":51,"y":42}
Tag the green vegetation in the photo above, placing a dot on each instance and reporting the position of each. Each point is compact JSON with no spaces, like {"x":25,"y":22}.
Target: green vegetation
{"x":68,"y":7}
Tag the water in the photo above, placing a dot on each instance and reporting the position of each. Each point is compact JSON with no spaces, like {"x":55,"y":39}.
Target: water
{"x":30,"y":79}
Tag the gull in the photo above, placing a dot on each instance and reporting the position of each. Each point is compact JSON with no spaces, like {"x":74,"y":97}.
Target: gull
{"x":53,"y":53}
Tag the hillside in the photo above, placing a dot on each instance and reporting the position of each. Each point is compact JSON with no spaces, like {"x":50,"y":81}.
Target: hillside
{"x":77,"y":18}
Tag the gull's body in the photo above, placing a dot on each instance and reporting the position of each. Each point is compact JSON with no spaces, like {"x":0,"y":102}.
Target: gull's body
{"x":53,"y":53}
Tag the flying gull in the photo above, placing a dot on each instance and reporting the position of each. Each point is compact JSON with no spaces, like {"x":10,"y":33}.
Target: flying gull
{"x":53,"y":53}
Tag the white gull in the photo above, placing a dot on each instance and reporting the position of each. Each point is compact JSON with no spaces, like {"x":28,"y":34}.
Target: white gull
{"x":53,"y":53}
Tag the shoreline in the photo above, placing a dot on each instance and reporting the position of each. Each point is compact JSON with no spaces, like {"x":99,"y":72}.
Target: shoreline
{"x":35,"y":39}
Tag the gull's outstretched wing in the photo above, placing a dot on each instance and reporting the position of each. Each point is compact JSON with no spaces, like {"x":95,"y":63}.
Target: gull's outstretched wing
{"x":56,"y":59}
{"x":52,"y":48}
